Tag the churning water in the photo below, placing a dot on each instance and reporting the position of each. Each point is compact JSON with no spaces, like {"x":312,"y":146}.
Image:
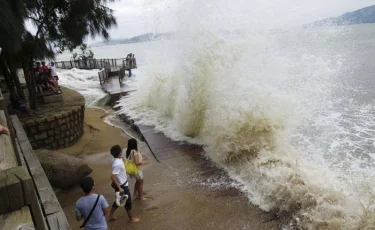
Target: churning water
{"x":289,"y":113}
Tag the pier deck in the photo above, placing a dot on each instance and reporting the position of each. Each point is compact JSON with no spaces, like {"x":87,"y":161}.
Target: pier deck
{"x":112,"y":86}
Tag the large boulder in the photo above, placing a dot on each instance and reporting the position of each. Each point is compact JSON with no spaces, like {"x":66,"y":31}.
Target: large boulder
{"x":63,"y":171}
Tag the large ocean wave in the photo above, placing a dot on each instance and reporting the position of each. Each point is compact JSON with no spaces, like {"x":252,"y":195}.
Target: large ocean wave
{"x":268,"y":107}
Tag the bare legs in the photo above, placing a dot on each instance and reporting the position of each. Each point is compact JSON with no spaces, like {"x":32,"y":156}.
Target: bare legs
{"x":138,"y":189}
{"x":129,"y":212}
{"x":54,"y":82}
{"x":128,"y":207}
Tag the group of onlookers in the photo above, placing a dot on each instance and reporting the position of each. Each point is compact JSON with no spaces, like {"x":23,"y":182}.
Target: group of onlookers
{"x":94,"y":209}
{"x":46,"y":78}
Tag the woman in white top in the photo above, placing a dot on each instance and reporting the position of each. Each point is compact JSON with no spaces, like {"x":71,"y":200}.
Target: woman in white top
{"x":134,"y":155}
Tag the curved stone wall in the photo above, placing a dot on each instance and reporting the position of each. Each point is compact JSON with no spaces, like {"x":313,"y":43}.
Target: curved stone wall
{"x":59,"y":130}
{"x":57,"y":125}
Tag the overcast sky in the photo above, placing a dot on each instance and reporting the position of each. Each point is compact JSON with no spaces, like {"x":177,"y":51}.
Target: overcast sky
{"x":136,"y":17}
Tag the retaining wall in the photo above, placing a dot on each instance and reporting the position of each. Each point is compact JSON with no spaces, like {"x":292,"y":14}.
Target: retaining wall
{"x":58,"y":130}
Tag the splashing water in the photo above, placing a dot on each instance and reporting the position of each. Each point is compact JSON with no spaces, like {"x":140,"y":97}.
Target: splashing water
{"x":277,"y":109}
{"x":86,"y":82}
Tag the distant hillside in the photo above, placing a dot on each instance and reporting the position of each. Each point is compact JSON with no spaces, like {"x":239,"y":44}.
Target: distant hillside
{"x":365,"y":15}
{"x":141,"y":38}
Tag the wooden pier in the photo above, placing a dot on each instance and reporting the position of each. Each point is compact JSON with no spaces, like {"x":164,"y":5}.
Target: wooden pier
{"x":116,"y":90}
{"x":111,"y":80}
{"x":113,"y":64}
{"x":111,"y":73}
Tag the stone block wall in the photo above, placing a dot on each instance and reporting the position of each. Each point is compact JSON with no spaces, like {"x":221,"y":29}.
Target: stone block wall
{"x":58,"y":130}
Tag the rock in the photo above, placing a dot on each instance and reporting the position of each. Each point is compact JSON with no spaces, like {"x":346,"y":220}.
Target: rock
{"x":63,"y":171}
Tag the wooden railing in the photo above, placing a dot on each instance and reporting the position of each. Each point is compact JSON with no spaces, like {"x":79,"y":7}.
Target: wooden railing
{"x":27,"y":198}
{"x":103,"y":75}
{"x":91,"y":64}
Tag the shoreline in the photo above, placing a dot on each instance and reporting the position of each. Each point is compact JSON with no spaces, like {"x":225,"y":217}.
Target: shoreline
{"x":184,"y":191}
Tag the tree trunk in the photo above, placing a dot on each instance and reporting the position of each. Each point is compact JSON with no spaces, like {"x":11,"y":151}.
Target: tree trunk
{"x":32,"y":92}
{"x":15,"y":78}
{"x":5,"y":69}
{"x":26,"y":73}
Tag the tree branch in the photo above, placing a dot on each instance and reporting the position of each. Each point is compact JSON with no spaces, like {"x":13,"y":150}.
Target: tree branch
{"x":41,"y":25}
{"x":34,"y":19}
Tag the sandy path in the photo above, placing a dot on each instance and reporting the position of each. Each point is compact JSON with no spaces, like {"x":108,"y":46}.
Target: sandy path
{"x":185,"y":192}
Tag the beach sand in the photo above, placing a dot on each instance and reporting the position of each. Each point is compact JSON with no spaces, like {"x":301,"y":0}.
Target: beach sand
{"x":98,"y":136}
{"x":185,"y":192}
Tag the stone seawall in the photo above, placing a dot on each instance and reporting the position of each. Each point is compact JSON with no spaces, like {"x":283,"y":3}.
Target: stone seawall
{"x":57,"y":125}
{"x":59,"y":130}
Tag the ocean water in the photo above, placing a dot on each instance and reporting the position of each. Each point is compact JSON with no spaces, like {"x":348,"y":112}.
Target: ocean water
{"x":288,"y":113}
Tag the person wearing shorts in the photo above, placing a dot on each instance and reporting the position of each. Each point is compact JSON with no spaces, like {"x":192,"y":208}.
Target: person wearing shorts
{"x":54,"y":72}
{"x":134,"y":155}
{"x":120,"y":183}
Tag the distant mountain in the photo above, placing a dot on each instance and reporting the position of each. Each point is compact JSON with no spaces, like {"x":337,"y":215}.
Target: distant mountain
{"x":365,"y":15}
{"x":140,"y":38}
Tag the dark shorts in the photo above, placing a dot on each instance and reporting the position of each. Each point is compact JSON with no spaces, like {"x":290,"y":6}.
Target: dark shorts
{"x":56,"y":78}
{"x":128,"y":204}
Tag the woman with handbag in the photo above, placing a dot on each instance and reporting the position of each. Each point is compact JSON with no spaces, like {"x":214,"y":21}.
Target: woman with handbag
{"x":135,"y":156}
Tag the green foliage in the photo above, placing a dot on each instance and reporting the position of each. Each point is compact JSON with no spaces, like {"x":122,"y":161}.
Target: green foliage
{"x":60,"y":25}
{"x":12,"y":13}
{"x":49,"y":170}
{"x":85,"y":54}
{"x":65,"y":24}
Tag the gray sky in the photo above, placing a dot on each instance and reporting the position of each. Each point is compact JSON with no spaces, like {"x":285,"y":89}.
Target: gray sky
{"x":139,"y":16}
{"x":136,"y":17}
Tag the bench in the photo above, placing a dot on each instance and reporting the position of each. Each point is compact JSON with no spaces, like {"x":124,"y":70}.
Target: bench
{"x":7,"y":154}
{"x":54,"y":214}
{"x":49,"y":97}
{"x":15,"y":187}
{"x":17,"y":220}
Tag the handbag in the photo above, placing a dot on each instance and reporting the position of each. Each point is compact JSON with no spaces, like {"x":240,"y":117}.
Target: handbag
{"x":130,"y":166}
{"x":92,"y":210}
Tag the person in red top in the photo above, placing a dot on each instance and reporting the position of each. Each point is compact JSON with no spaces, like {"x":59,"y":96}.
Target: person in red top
{"x":44,"y":67}
{"x":37,"y":69}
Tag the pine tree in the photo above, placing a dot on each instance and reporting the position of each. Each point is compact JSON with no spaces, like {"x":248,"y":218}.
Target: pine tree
{"x":65,"y":24}
{"x":12,"y":14}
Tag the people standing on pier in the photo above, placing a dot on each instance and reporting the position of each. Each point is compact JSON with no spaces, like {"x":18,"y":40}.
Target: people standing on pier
{"x":129,"y":63}
{"x":134,"y":155}
{"x":120,"y":183}
{"x":93,"y":208}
